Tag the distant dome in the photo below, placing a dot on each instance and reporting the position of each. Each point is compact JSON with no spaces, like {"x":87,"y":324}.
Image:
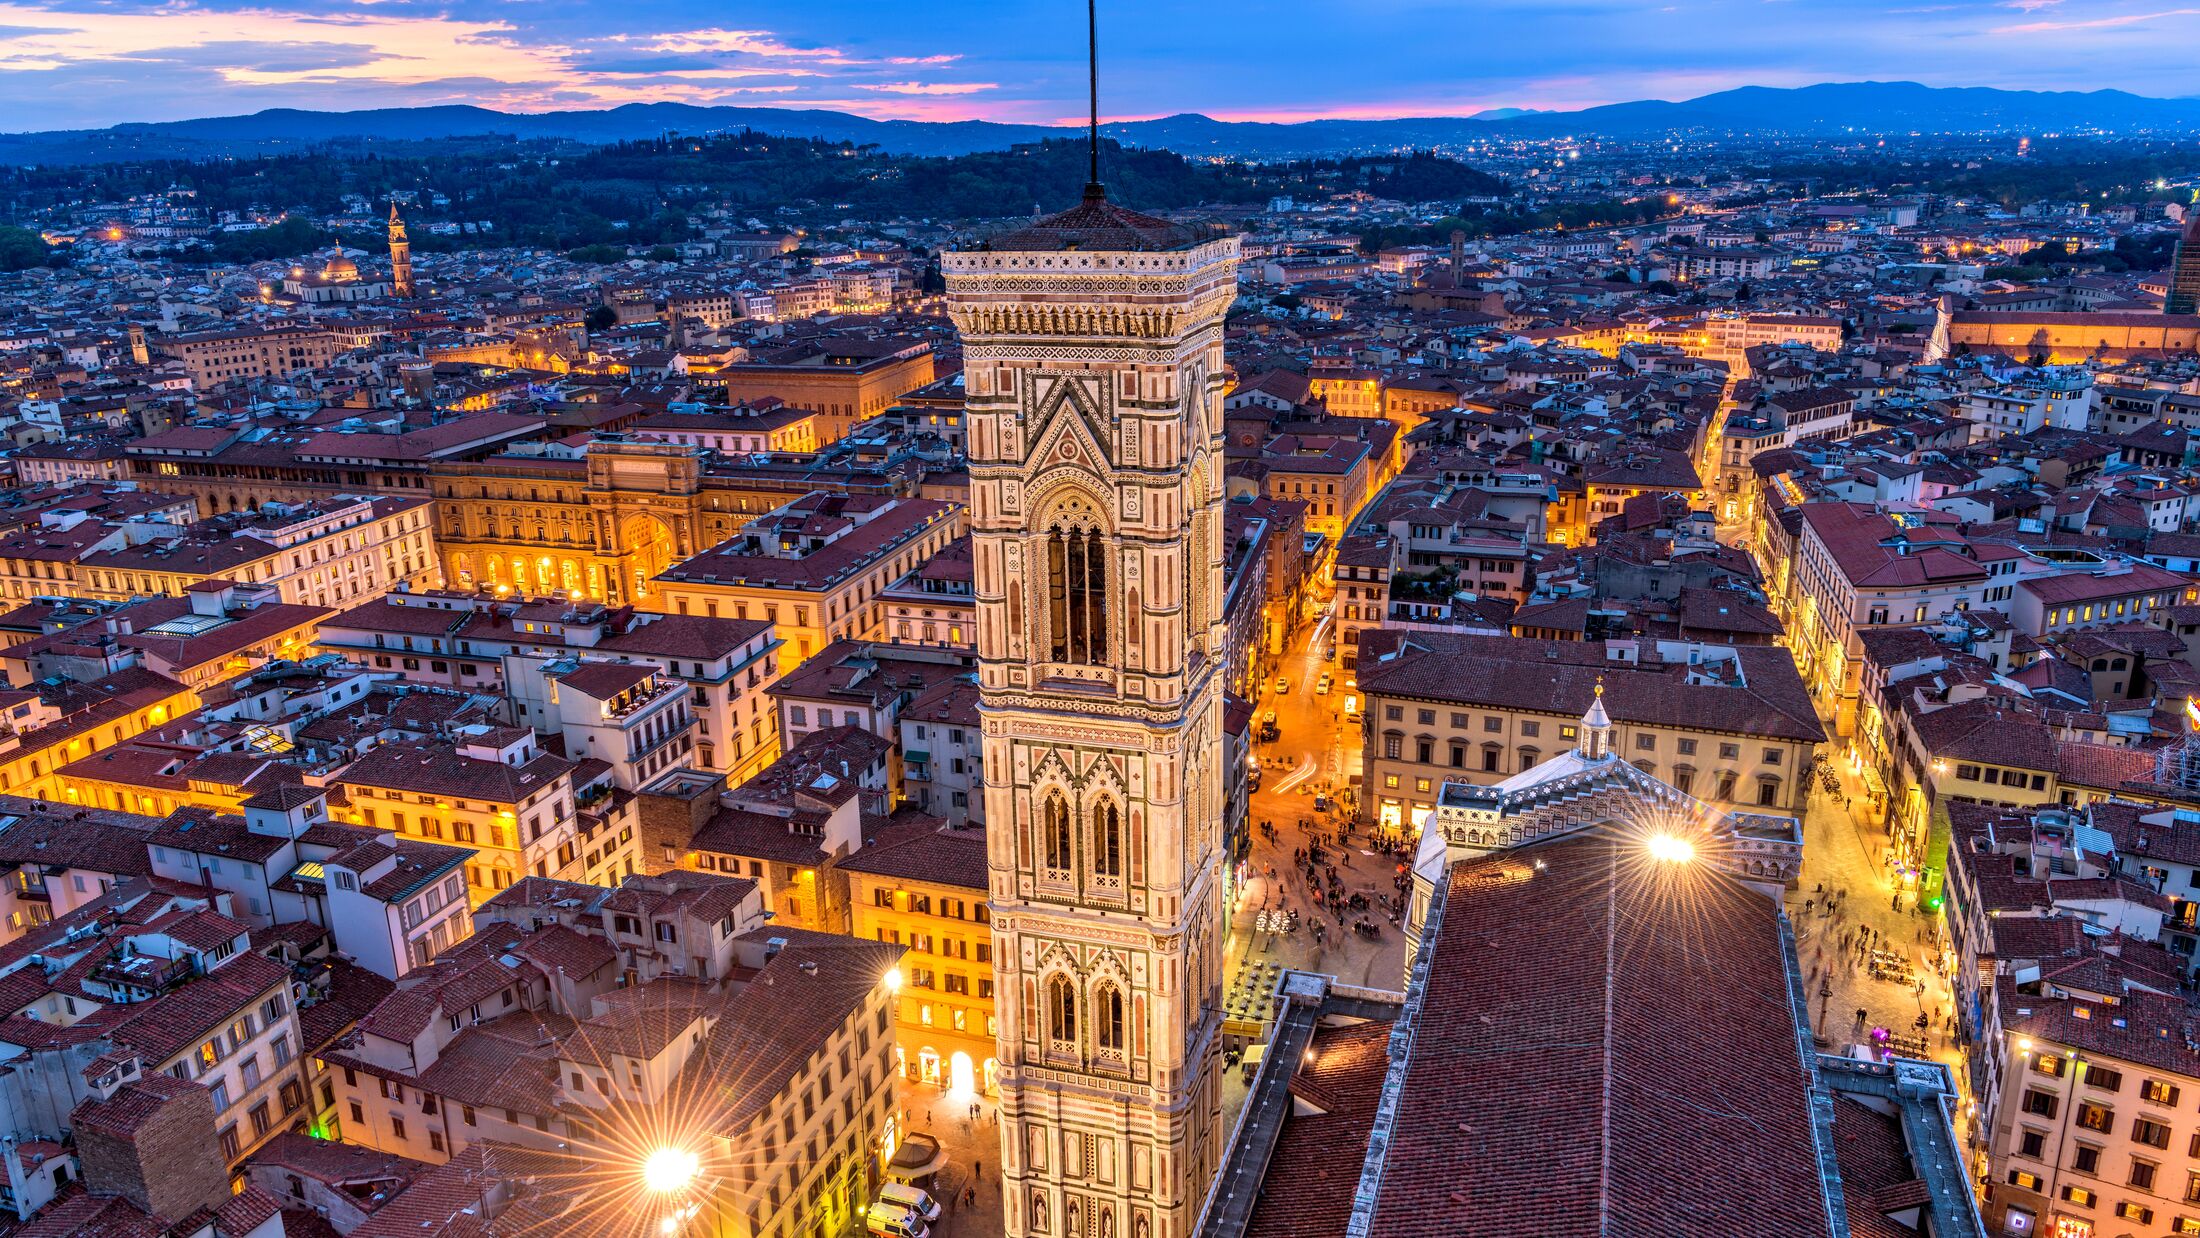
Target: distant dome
{"x":340,"y":268}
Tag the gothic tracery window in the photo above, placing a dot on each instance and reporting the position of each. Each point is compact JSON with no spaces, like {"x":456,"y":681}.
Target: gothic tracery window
{"x":1055,"y":832}
{"x":1077,"y":595}
{"x":1061,"y":1009}
{"x":1107,"y":1018}
{"x":1107,"y":839}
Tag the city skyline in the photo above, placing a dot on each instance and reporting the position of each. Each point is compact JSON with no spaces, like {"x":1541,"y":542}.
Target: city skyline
{"x":73,"y":64}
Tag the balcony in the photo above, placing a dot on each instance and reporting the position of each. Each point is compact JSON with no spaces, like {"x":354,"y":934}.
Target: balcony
{"x":144,"y":971}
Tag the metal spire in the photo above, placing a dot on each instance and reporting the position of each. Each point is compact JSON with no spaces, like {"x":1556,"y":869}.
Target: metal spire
{"x":1092,"y":73}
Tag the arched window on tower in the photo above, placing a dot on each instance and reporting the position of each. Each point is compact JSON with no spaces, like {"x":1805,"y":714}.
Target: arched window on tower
{"x":1107,"y":1020}
{"x":1107,"y":839}
{"x":1061,"y":1010}
{"x":1054,"y":829}
{"x":1077,"y":596}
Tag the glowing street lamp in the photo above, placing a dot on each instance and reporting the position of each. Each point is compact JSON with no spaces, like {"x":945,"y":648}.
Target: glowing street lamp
{"x":671,"y":1170}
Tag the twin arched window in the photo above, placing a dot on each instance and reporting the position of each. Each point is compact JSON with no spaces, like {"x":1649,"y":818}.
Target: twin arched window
{"x":1077,"y":575}
{"x":1107,"y":1014}
{"x":1056,"y":848}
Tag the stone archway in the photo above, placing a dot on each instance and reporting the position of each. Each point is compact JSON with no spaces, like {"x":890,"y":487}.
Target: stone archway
{"x":646,"y":548}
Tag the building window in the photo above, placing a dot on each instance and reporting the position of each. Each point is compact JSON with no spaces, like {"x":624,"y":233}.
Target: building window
{"x":1077,"y":596}
{"x":1061,"y":1010}
{"x":1107,"y":839}
{"x":1056,"y":831}
{"x":1108,"y":1018}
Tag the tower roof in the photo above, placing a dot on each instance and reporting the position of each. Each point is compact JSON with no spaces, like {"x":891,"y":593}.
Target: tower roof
{"x":1098,"y":224}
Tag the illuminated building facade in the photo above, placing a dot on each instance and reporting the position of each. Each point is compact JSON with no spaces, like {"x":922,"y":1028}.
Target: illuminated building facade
{"x":334,"y":552}
{"x":493,"y":791}
{"x":599,"y":523}
{"x":814,"y":569}
{"x":923,"y":886}
{"x":1094,"y":372}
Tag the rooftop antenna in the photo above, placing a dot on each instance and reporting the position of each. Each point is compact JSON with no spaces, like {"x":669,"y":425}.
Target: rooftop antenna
{"x":1093,"y":189}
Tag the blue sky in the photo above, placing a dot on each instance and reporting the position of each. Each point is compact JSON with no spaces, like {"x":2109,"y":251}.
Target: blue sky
{"x":78,"y":63}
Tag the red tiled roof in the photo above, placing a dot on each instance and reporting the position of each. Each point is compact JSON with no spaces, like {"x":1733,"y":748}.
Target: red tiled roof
{"x":1606,"y":1046}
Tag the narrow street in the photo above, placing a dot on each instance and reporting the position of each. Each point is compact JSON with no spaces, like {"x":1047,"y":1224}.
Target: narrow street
{"x":1316,"y":751}
{"x":1845,"y":908}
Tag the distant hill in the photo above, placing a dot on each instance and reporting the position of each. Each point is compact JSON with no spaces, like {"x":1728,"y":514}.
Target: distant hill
{"x":1829,"y":108}
{"x":1883,"y":107}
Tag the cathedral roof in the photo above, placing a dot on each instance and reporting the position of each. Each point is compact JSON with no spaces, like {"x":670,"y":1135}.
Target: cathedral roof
{"x":1098,"y":224}
{"x":1631,"y":1038}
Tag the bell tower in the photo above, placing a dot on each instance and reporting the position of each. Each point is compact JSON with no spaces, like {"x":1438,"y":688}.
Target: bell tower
{"x":1093,"y":375}
{"x":401,"y":257}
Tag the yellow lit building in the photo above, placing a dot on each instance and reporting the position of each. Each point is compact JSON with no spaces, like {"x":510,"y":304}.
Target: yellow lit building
{"x":67,"y":723}
{"x":923,"y":886}
{"x":330,"y":552}
{"x":815,"y":568}
{"x":494,"y":792}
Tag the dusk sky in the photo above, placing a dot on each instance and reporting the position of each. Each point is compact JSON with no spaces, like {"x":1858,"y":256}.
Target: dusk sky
{"x":81,"y":63}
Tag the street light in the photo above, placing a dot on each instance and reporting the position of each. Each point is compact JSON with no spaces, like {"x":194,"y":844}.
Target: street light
{"x":670,"y":1170}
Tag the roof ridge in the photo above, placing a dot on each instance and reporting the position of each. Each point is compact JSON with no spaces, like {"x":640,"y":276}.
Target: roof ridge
{"x":1604,"y":1095}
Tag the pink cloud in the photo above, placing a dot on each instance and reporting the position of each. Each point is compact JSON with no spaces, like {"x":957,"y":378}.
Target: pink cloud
{"x":2092,"y":23}
{"x":932,"y":88}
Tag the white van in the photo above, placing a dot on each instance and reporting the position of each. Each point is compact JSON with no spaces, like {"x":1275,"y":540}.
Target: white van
{"x":886,"y":1220}
{"x":914,"y":1199}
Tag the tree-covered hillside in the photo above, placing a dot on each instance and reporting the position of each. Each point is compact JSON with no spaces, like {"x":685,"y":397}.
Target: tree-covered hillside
{"x":641,"y":193}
